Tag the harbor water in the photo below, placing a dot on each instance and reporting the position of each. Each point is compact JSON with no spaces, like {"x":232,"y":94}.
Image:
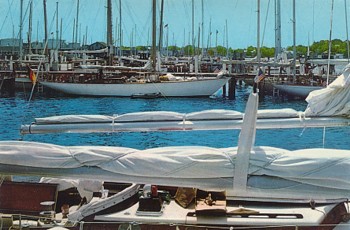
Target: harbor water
{"x":17,"y":111}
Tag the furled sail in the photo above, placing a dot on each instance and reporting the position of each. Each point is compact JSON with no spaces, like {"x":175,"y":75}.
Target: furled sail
{"x":218,"y":119}
{"x":333,"y":100}
{"x":273,"y":172}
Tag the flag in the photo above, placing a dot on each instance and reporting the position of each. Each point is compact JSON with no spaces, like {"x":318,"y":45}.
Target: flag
{"x":32,"y":75}
{"x":260,"y":76}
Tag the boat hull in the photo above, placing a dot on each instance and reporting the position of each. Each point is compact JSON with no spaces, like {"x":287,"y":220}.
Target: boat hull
{"x":23,"y":83}
{"x":297,"y":90}
{"x":198,"y":88}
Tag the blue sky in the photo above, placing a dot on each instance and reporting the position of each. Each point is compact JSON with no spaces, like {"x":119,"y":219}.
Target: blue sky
{"x":312,"y":20}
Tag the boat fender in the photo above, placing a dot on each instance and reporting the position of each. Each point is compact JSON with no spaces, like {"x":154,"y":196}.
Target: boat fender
{"x":154,"y":191}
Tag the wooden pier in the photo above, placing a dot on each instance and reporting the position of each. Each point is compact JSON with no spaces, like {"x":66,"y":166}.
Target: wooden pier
{"x":7,"y":83}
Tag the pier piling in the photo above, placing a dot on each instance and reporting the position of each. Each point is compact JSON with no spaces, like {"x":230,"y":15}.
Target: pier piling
{"x":232,"y":88}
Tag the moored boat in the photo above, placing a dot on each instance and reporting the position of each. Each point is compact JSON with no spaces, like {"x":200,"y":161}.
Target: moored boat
{"x":185,"y":88}
{"x":301,"y":91}
{"x":192,"y":186}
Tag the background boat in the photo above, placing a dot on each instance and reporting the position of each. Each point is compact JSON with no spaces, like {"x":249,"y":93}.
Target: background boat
{"x":186,"y":88}
{"x":301,"y":91}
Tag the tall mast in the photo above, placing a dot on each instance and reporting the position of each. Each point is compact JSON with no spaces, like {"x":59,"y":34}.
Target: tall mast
{"x":258,"y":34}
{"x":60,"y":44}
{"x":120,"y":30}
{"x":202,"y":27}
{"x":347,"y":32}
{"x":20,"y":33}
{"x":160,"y":44}
{"x":330,"y":43}
{"x":226,"y":39}
{"x":30,"y":27}
{"x":294,"y":43}
{"x":277,"y":28}
{"x":45,"y":26}
{"x":109,"y":32}
{"x":57,"y":25}
{"x":193,"y":26}
{"x":154,"y":34}
{"x":76,"y":25}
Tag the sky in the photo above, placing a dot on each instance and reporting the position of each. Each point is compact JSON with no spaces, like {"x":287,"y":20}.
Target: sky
{"x":313,"y":21}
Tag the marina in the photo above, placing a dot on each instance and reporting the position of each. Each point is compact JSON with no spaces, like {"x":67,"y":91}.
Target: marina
{"x":104,"y":135}
{"x":115,"y":140}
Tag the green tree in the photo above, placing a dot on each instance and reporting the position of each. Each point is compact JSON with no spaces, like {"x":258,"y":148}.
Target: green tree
{"x":188,"y":50}
{"x":221,"y":50}
{"x":267,"y":52}
{"x":251,"y":51}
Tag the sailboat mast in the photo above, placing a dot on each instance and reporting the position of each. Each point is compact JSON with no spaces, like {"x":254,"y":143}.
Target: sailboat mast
{"x":76,"y":25}
{"x":258,"y":34}
{"x":294,"y":44}
{"x":20,"y":33}
{"x":120,"y":30}
{"x":30,"y":27}
{"x":160,"y":44}
{"x":193,"y":27}
{"x":154,"y":34}
{"x":347,"y":32}
{"x":45,"y":26}
{"x":226,"y":39}
{"x":202,"y":28}
{"x":278,"y":45}
{"x":57,"y":25}
{"x":109,"y":32}
{"x":330,"y":43}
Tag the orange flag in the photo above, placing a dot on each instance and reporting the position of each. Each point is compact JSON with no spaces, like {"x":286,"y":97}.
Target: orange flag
{"x":32,"y":75}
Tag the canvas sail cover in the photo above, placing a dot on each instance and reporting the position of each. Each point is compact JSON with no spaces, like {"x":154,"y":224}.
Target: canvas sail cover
{"x":273,"y":172}
{"x":333,"y":100}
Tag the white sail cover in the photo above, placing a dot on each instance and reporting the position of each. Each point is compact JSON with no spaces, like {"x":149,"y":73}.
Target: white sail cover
{"x":273,"y":172}
{"x":333,"y":100}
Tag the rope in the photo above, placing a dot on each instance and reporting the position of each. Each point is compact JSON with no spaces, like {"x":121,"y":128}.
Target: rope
{"x":302,"y":118}
{"x":113,"y":121}
{"x":184,"y":121}
{"x":324,"y":137}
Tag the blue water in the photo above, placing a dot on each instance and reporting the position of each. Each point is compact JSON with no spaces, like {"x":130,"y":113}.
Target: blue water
{"x":16,"y":111}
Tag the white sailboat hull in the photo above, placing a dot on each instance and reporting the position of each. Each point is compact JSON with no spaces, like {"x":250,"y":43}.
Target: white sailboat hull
{"x":297,"y":90}
{"x":168,"y":89}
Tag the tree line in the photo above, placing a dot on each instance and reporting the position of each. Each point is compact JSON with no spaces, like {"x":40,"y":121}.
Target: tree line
{"x":316,"y":49}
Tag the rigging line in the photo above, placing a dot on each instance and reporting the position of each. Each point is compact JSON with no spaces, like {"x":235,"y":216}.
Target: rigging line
{"x":40,"y":63}
{"x":313,"y":22}
{"x":11,"y":15}
{"x":131,"y":13}
{"x":324,"y":137}
{"x":67,"y":15}
{"x":267,"y":14}
{"x":8,"y":12}
{"x":25,"y":14}
{"x":23,"y":19}
{"x":347,"y":32}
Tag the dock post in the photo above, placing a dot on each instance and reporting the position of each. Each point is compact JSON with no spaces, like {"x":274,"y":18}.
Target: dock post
{"x":232,"y":88}
{"x":262,"y":88}
{"x":224,"y":91}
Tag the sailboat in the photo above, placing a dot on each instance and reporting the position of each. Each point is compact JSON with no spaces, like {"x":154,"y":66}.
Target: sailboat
{"x":183,"y":187}
{"x":179,"y":187}
{"x":302,"y":91}
{"x":126,"y":82}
